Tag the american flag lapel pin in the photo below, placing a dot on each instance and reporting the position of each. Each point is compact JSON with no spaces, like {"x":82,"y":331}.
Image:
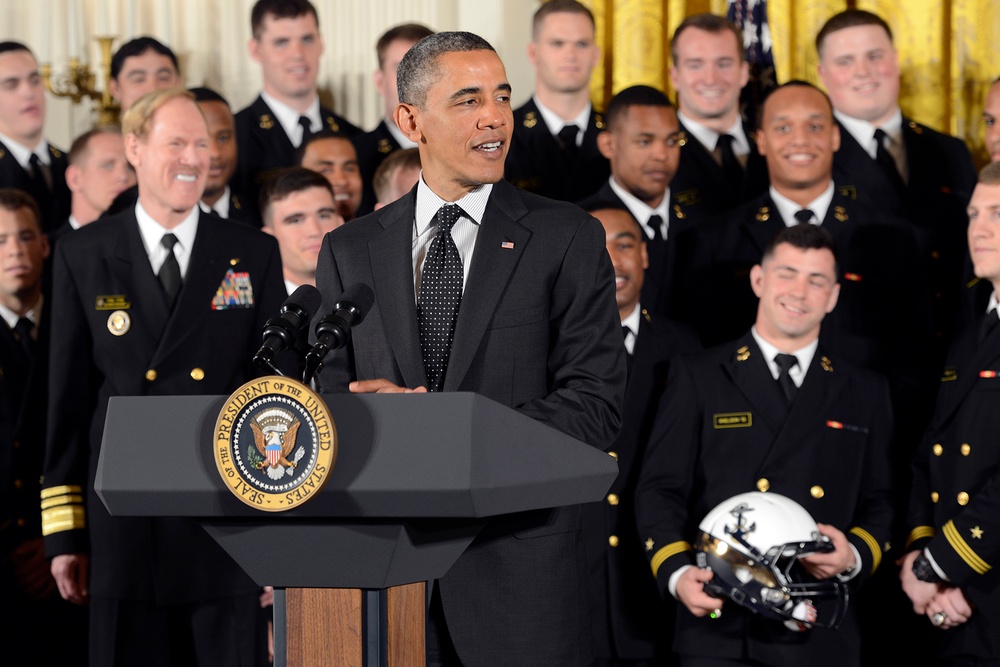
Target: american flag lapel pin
{"x":507,"y":245}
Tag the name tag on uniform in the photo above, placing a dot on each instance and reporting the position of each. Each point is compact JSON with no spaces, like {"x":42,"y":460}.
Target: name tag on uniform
{"x":732,"y":420}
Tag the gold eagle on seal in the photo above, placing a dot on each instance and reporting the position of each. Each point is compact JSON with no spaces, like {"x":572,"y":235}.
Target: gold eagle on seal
{"x":274,"y":433}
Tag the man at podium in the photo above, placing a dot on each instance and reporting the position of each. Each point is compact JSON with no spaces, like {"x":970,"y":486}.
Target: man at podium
{"x":488,"y":289}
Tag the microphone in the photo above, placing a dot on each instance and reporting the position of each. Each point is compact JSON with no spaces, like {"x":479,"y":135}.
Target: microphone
{"x":281,"y":332}
{"x":333,"y":331}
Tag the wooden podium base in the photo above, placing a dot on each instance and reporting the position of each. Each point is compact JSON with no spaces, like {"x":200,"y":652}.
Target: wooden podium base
{"x":350,"y":627}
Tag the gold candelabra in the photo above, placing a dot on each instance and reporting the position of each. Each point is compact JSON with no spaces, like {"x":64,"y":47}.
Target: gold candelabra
{"x":79,"y":83}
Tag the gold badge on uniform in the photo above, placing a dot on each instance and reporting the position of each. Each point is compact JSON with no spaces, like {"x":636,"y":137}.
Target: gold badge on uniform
{"x":332,"y":124}
{"x":732,"y":420}
{"x":743,"y":353}
{"x":840,"y":213}
{"x":119,"y":322}
{"x":826,"y":364}
{"x":764,"y":214}
{"x":111,"y":302}
{"x":266,"y":123}
{"x":599,"y":121}
{"x":916,"y":128}
{"x":530,"y":119}
{"x":55,"y":152}
{"x":384,"y":146}
{"x":679,"y":212}
{"x":949,"y":375}
{"x":849,"y":191}
{"x":275,"y":443}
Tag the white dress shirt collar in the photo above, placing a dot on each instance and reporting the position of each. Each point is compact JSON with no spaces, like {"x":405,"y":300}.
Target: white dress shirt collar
{"x":221,"y":206}
{"x":555,"y":122}
{"x":708,"y":137}
{"x":152,"y":233}
{"x":632,"y":323}
{"x":34,"y":313}
{"x":787,"y":208}
{"x":641,"y":211}
{"x":864,"y":132}
{"x":22,"y":153}
{"x":288,"y":117}
{"x":804,"y":355}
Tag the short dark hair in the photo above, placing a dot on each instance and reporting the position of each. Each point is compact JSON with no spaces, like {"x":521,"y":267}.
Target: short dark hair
{"x":14,"y":200}
{"x":711,"y":23}
{"x":287,"y":181}
{"x":78,"y":150}
{"x":402,"y":158}
{"x":137,"y":47}
{"x":10,"y":46}
{"x":634,"y":96}
{"x":406,"y":32}
{"x":849,"y":18}
{"x":559,"y":7}
{"x":418,"y":70}
{"x":793,"y":83}
{"x":300,"y":152}
{"x":203,"y":94}
{"x":279,"y":9}
{"x":803,"y":237}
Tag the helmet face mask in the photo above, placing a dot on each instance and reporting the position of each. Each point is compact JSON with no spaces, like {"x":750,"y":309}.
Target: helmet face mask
{"x":753,"y":543}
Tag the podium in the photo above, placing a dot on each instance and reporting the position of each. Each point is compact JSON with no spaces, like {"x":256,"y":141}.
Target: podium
{"x":415,"y":479}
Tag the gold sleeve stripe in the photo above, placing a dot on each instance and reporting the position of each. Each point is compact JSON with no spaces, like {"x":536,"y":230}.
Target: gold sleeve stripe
{"x":919,"y":533}
{"x":666,"y":552}
{"x":961,"y":547}
{"x":872,"y":543}
{"x":60,"y":490}
{"x":64,"y":500}
{"x":62,"y":519}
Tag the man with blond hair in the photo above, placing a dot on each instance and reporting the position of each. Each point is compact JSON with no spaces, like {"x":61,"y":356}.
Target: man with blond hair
{"x":134,"y":314}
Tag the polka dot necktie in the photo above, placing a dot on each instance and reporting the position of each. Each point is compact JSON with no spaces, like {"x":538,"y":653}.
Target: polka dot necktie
{"x":440,"y":297}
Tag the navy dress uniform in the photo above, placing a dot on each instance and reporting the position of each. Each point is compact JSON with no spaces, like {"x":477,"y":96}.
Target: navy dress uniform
{"x":955,"y":502}
{"x":537,"y":163}
{"x":629,"y":620}
{"x":724,"y":429}
{"x":701,"y":185}
{"x":115,"y":335}
{"x":53,"y":197}
{"x":263,"y":147}
{"x":372,"y":148}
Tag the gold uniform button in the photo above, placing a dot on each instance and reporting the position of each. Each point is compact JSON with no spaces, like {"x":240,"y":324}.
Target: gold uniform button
{"x":966,"y":449}
{"x":963,"y":498}
{"x":817,"y":492}
{"x":938,"y":449}
{"x":934,"y":496}
{"x":613,"y":540}
{"x":150,"y":375}
{"x":613,"y":455}
{"x":763,"y":485}
{"x":197,"y":374}
{"x":612,"y":499}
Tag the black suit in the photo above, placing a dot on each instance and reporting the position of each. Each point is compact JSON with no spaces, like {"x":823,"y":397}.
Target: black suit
{"x":55,"y":204}
{"x":941,"y":179}
{"x":629,"y":620}
{"x":197,"y":348}
{"x":55,"y":630}
{"x":700,"y":184}
{"x":658,"y":288}
{"x":536,"y":163}
{"x":839,"y":475}
{"x":538,"y":330}
{"x":372,"y":147}
{"x":263,"y":147}
{"x":955,"y":503}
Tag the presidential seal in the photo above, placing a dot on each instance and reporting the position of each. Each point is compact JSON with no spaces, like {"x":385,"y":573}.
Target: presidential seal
{"x":275,"y":443}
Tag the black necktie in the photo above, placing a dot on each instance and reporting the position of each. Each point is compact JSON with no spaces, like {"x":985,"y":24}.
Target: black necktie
{"x":885,"y":159}
{"x":988,"y":324}
{"x":170,"y":270}
{"x":804,"y":216}
{"x":731,"y":166}
{"x":40,"y":174}
{"x":23,"y":330}
{"x":306,"y":129}
{"x":567,"y":140}
{"x":440,"y":297}
{"x":655,"y":224}
{"x":785,"y":363}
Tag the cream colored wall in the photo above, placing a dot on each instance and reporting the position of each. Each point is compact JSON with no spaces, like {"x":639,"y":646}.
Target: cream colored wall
{"x":210,"y":38}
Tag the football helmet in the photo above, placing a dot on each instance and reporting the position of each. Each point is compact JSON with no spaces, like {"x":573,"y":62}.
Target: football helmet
{"x":753,"y":543}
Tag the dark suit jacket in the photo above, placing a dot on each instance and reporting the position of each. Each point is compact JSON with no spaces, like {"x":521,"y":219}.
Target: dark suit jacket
{"x":263,"y":147}
{"x":195,"y":349}
{"x":629,"y":620}
{"x":372,"y":147}
{"x":955,"y":503}
{"x":941,"y":179}
{"x":536,"y":164}
{"x":839,"y":475}
{"x":700,"y":185}
{"x":54,"y":205}
{"x":658,"y":287}
{"x":538,"y":330}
